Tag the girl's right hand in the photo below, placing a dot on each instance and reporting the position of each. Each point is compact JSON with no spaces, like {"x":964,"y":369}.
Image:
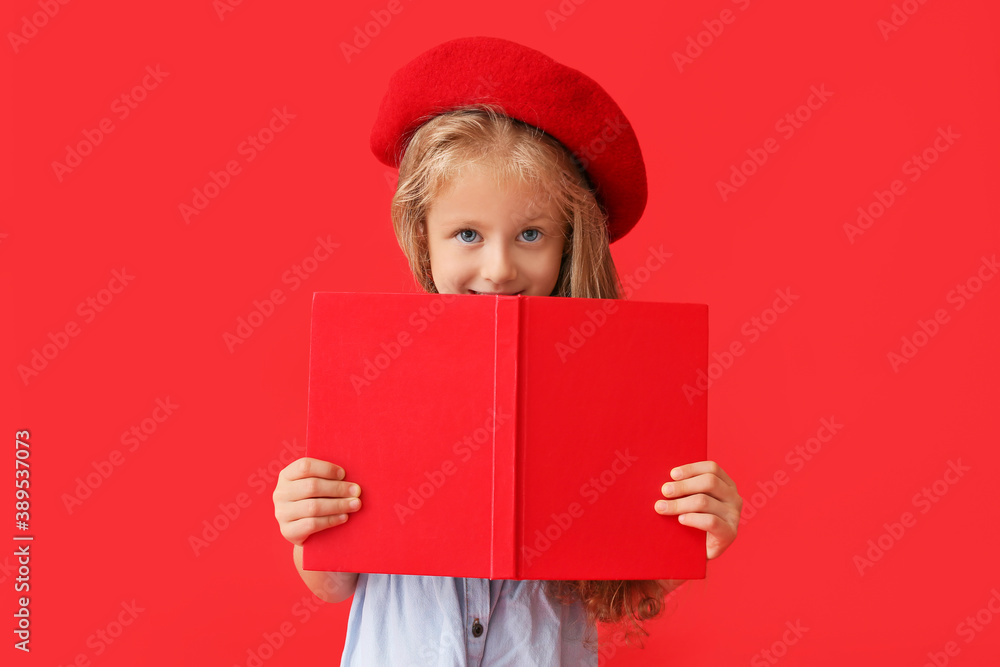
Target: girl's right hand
{"x":312,"y":495}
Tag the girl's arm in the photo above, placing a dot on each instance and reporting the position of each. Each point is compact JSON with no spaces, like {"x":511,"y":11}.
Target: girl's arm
{"x":330,"y":587}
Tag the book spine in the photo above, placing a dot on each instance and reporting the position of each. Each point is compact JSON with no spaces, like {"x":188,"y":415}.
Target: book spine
{"x":506,"y":541}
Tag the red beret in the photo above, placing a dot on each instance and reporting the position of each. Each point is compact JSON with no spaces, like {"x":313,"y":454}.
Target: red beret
{"x":533,"y":88}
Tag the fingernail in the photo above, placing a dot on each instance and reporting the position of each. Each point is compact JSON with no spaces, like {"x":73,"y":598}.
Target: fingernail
{"x":354,"y":490}
{"x":354,"y":504}
{"x":676,"y":473}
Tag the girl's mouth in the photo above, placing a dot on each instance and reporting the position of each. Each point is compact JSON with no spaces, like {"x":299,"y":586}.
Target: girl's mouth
{"x":472,"y":291}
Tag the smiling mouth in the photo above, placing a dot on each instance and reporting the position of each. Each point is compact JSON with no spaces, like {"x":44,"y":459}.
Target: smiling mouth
{"x":472,"y":291}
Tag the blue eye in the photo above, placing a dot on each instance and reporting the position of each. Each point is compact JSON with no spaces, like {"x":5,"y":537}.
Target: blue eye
{"x":530,"y":235}
{"x":465,"y":237}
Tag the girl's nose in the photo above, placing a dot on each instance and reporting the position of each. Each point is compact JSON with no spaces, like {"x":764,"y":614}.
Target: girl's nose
{"x":498,"y":267}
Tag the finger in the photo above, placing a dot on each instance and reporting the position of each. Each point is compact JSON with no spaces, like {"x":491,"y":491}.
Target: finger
{"x":699,"y":503}
{"x":313,"y":487}
{"x":719,"y":533}
{"x":316,"y":508}
{"x":317,"y":487}
{"x":701,"y":468}
{"x":704,"y":483}
{"x":296,"y":532}
{"x":310,"y":467}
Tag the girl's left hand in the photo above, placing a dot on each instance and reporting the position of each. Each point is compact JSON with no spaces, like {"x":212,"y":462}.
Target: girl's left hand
{"x":704,"y":496}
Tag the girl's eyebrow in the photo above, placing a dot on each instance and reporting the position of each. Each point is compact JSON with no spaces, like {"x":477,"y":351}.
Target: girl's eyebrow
{"x":541,"y":220}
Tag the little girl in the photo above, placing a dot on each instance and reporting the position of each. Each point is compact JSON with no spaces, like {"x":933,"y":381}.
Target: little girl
{"x":490,"y":203}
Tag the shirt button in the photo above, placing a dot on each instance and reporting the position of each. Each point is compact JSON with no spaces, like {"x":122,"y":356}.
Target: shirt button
{"x":477,"y":628}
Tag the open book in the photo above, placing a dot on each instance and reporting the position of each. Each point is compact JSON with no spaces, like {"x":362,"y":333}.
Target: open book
{"x":507,"y":437}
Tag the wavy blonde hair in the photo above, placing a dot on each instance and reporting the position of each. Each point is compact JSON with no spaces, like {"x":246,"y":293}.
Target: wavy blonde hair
{"x":516,"y":152}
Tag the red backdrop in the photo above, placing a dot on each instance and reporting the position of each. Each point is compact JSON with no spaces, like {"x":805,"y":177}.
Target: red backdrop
{"x":169,"y":170}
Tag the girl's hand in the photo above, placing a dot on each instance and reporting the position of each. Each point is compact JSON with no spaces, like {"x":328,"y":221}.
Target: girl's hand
{"x":705,"y":497}
{"x":312,"y":495}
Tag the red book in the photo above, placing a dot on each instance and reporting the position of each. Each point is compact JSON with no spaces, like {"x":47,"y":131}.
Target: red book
{"x":507,"y":437}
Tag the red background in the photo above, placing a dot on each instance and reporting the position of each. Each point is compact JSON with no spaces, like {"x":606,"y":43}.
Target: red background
{"x":826,"y":357}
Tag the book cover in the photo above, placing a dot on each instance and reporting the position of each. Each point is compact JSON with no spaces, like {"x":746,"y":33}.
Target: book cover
{"x":507,"y":437}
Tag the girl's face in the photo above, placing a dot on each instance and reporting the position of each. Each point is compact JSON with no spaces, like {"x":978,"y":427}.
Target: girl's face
{"x":484,"y":240}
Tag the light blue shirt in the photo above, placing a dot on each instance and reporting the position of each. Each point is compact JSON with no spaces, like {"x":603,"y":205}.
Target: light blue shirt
{"x":404,"y":620}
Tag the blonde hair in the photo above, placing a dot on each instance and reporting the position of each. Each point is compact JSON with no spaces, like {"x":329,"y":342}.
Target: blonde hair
{"x":516,"y":152}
